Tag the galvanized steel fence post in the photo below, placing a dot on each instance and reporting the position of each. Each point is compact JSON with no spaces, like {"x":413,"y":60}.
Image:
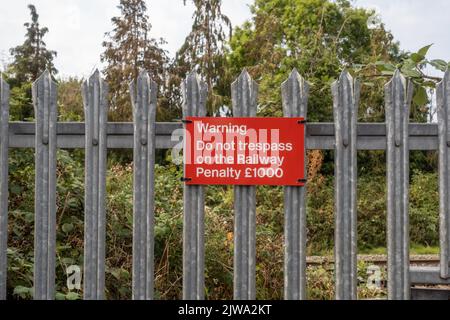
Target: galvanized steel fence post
{"x":443,"y":111}
{"x":44,"y":98}
{"x":95,"y":92}
{"x":4,"y":145}
{"x":244,"y":93}
{"x":295,"y":92}
{"x":398,"y":95}
{"x":143,"y":95}
{"x":345,"y":101}
{"x":194,"y":105}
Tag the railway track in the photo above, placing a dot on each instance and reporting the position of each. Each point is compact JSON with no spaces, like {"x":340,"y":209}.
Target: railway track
{"x":415,"y":260}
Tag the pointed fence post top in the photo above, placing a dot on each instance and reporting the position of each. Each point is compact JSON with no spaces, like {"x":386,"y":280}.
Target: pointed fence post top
{"x":44,"y":93}
{"x":345,"y":80}
{"x":144,"y":92}
{"x":195,"y":92}
{"x":95,"y":91}
{"x":45,"y":76}
{"x":294,"y":76}
{"x":399,"y":91}
{"x":345,"y":76}
{"x":295,"y":81}
{"x":397,"y":80}
{"x":142,"y":83}
{"x":244,"y":91}
{"x":143,"y":76}
{"x":95,"y":75}
{"x":295,"y":92}
{"x":95,"y":79}
{"x":346,"y":92}
{"x":347,"y":86}
{"x":244,"y":79}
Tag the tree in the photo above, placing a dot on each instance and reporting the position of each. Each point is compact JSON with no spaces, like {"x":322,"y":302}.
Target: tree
{"x":32,"y":57}
{"x":203,"y":49}
{"x":128,"y":50}
{"x":29,"y":61}
{"x":318,"y":37}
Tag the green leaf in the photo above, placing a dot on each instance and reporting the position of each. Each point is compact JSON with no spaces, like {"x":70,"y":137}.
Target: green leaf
{"x":60,"y":296}
{"x":22,"y":292}
{"x":385,"y":66}
{"x":67,"y":227}
{"x":424,"y":50}
{"x":421,"y":97}
{"x":387,"y":73}
{"x":439,"y":64}
{"x":72,"y":296}
{"x":417,"y":58}
{"x":409,"y":69}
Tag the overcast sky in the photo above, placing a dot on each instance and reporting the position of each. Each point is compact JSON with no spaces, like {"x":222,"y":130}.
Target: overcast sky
{"x":77,"y":27}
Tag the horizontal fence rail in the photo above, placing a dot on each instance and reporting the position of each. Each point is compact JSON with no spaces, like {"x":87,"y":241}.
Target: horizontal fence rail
{"x":319,"y":136}
{"x":345,"y":136}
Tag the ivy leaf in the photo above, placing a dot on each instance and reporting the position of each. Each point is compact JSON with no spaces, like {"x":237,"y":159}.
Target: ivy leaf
{"x":421,"y":96}
{"x":423,"y":52}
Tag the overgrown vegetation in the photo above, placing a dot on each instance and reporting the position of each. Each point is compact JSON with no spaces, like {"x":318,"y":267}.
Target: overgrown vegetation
{"x":219,"y":228}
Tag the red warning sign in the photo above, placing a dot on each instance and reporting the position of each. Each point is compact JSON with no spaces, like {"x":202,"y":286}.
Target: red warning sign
{"x":244,"y":151}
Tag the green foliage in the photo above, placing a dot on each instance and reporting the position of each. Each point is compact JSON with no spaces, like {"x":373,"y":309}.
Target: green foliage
{"x":29,"y":60}
{"x":424,"y":212}
{"x":20,"y":103}
{"x":32,"y":58}
{"x":412,"y":66}
{"x":321,"y":284}
{"x":70,"y":101}
{"x":319,"y":38}
{"x":128,"y":49}
{"x":218,"y":228}
{"x":203,"y":51}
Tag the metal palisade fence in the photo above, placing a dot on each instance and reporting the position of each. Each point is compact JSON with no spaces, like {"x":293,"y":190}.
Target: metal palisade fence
{"x":345,"y":136}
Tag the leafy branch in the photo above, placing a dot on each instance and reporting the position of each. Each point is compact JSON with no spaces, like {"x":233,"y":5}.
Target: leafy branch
{"x":413,"y":67}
